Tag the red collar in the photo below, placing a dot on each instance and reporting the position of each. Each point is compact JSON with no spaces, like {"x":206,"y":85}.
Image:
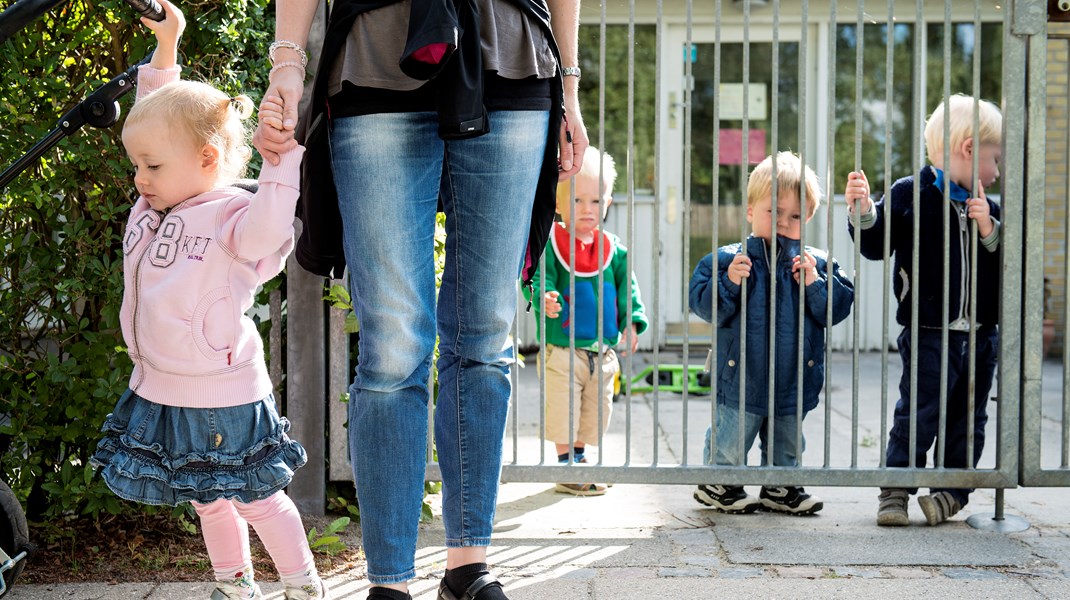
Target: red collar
{"x":587,"y":263}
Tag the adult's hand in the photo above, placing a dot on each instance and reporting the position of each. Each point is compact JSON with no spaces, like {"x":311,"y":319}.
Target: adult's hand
{"x":275,"y":135}
{"x":293,"y":18}
{"x":573,"y":138}
{"x":573,"y":142}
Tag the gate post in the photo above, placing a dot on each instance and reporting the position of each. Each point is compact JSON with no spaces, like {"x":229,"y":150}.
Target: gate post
{"x":306,"y":352}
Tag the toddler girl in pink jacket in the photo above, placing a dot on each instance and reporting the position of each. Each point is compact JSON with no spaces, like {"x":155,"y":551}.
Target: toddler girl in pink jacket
{"x":198,"y":423}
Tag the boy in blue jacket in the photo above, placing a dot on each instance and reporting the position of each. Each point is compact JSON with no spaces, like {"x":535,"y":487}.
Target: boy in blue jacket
{"x":967,"y":203}
{"x":753,"y":262}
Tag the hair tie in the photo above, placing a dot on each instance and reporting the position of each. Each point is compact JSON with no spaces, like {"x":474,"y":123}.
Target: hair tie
{"x":242,"y":105}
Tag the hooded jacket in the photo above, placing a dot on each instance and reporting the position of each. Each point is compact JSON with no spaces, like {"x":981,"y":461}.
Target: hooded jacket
{"x":705,"y":282}
{"x":190,"y":274}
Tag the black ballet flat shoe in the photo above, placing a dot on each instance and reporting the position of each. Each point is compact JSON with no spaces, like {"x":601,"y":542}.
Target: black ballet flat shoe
{"x":473,"y":591}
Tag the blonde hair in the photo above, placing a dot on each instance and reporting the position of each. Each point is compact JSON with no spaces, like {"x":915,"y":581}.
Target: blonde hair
{"x":204,"y":115}
{"x":790,"y":178}
{"x":589,"y":170}
{"x":960,"y":109}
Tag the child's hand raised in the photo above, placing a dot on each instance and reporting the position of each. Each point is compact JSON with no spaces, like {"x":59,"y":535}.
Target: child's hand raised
{"x":739,"y":269}
{"x":978,"y":210}
{"x":629,"y":342}
{"x":167,"y":33}
{"x":270,"y":138}
{"x":270,"y":112}
{"x":857,"y":192}
{"x":805,"y":264}
{"x":550,"y":306}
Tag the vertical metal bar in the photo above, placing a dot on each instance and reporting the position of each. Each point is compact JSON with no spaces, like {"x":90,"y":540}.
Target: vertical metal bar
{"x":571,"y":320}
{"x":800,"y":373}
{"x":856,"y":223}
{"x":514,"y":377}
{"x":715,"y":243}
{"x":689,"y":86}
{"x":889,"y":65}
{"x":603,"y":190}
{"x":744,"y":169}
{"x":1064,"y":461}
{"x":860,"y":51}
{"x":919,"y":101}
{"x":946,"y":292}
{"x":542,"y":359}
{"x":1065,"y":455}
{"x":975,"y":239}
{"x":770,"y":438}
{"x":830,"y":176}
{"x":656,"y":302}
{"x":1022,"y":263}
{"x":626,"y":375}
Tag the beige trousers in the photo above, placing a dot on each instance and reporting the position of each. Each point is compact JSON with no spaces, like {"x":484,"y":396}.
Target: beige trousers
{"x":586,"y":396}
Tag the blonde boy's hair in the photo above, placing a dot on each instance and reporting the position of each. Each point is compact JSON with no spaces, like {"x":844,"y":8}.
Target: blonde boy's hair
{"x":589,"y":169}
{"x":204,"y":115}
{"x":960,"y":109}
{"x":790,"y":178}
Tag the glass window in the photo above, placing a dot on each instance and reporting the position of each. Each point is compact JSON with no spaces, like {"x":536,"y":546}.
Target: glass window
{"x":616,"y":98}
{"x":905,"y":130}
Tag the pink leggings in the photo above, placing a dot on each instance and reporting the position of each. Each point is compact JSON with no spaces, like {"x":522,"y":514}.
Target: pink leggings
{"x":225,"y":525}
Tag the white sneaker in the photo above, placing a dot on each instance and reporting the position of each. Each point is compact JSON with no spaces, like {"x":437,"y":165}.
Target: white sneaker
{"x":229,"y":591}
{"x":316,"y":591}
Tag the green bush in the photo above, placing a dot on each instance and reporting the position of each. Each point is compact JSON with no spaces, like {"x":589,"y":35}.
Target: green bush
{"x":63,"y":363}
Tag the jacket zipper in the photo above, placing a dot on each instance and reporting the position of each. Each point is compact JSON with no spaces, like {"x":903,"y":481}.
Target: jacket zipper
{"x":136,"y":355}
{"x":964,"y":288}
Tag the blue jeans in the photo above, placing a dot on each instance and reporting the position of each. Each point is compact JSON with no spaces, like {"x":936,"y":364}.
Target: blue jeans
{"x":391,"y":171}
{"x":928,"y":419}
{"x":785,"y":452}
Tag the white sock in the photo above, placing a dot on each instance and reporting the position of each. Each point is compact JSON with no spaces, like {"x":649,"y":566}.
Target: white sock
{"x":307,"y":581}
{"x":241,"y":580}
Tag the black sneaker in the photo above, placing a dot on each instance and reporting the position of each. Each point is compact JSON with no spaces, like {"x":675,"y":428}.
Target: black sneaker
{"x":727,"y":499}
{"x":793,"y":500}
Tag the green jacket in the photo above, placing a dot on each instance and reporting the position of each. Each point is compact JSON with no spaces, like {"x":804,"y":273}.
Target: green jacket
{"x":614,"y":296}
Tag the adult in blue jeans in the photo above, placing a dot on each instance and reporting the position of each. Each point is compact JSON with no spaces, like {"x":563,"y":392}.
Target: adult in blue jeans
{"x":466,"y":107}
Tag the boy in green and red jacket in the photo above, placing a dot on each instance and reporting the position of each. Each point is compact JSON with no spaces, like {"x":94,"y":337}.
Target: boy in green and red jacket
{"x":621,"y":324}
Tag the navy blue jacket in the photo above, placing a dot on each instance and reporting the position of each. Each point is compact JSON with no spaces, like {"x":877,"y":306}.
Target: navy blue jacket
{"x":930,"y":279}
{"x":729,"y":314}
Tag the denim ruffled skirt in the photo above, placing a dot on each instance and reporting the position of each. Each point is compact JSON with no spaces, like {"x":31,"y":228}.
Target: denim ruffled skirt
{"x":158,"y":454}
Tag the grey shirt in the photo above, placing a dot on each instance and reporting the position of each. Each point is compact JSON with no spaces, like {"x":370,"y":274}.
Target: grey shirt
{"x":513,"y":46}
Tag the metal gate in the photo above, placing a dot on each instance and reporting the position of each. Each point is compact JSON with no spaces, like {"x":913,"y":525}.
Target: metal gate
{"x":1045,"y":399}
{"x":712,"y":63}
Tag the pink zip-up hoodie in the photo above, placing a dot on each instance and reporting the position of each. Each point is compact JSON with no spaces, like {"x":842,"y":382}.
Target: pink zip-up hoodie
{"x":190,"y":275}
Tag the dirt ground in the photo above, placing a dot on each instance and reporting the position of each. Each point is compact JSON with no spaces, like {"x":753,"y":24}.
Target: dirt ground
{"x":156,"y":548}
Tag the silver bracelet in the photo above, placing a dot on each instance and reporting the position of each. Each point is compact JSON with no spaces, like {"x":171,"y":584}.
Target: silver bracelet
{"x":289,"y":45}
{"x":570,"y":72}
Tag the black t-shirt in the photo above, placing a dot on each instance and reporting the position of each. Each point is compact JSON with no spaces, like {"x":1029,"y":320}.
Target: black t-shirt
{"x":499,"y":93}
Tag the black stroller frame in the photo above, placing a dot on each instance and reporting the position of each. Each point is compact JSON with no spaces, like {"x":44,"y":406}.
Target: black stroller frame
{"x":100,"y":109}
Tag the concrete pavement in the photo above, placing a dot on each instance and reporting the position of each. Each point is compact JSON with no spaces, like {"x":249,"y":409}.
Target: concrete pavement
{"x":655,"y":541}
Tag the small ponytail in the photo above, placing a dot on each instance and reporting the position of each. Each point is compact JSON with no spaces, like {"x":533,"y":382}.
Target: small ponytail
{"x":242,"y":105}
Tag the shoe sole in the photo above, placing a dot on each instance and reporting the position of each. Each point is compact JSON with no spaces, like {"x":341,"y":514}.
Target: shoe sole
{"x":932,"y":512}
{"x":893,"y":519}
{"x":770,"y":506}
{"x":728,"y":509}
{"x":564,"y":489}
